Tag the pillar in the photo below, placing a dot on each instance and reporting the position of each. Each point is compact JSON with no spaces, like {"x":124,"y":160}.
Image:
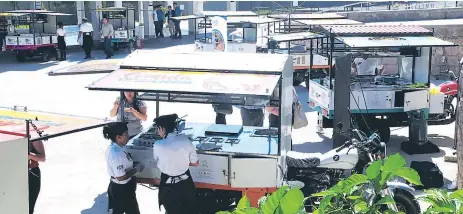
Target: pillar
{"x":148,"y":18}
{"x":96,"y":17}
{"x":231,"y":6}
{"x":80,"y":11}
{"x":197,"y":7}
{"x":141,"y":20}
{"x":117,"y":3}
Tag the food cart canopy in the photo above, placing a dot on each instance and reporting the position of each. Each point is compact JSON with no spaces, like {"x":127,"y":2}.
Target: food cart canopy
{"x":109,"y":9}
{"x":308,"y":16}
{"x":329,"y":22}
{"x":364,"y":30}
{"x":226,"y":13}
{"x":12,"y":14}
{"x":405,"y":41}
{"x":435,"y":22}
{"x":57,"y":14}
{"x":295,"y":36}
{"x":250,"y":19}
{"x":187,"y":17}
{"x":223,"y":61}
{"x":188,"y":82}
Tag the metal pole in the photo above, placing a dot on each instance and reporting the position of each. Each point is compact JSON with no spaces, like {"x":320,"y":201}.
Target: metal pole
{"x":459,"y":132}
{"x":121,"y":105}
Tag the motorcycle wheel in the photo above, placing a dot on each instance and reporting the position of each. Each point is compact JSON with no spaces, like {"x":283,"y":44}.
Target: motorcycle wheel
{"x":406,"y":202}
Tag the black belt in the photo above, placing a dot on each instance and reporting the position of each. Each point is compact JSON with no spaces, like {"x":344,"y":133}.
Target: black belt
{"x":176,"y":179}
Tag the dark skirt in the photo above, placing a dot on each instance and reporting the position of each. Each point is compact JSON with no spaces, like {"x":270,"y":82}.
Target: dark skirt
{"x":122,"y":197}
{"x":178,"y":198}
{"x":61,"y":43}
{"x":87,"y":41}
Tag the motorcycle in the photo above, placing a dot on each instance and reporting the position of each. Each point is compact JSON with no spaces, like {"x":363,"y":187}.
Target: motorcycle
{"x":450,"y":90}
{"x":316,"y":172}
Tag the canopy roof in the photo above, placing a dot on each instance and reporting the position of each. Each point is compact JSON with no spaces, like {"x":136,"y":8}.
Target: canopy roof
{"x":308,"y":16}
{"x":294,"y":36}
{"x":406,"y":41}
{"x":226,"y":13}
{"x":368,"y":30}
{"x":114,"y":9}
{"x":329,"y":22}
{"x":46,"y":12}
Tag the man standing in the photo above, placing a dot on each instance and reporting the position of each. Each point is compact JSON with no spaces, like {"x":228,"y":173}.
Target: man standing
{"x":177,"y":13}
{"x":107,"y":32}
{"x":86,"y":31}
{"x":170,"y":23}
{"x":158,"y":17}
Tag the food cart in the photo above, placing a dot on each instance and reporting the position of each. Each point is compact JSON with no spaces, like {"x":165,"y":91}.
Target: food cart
{"x":383,"y":100}
{"x":290,"y":23}
{"x":245,"y":30}
{"x":307,"y":64}
{"x":123,"y":21}
{"x":38,"y":39}
{"x":234,"y":160}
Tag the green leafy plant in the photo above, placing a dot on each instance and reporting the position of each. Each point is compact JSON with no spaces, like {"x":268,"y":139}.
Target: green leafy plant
{"x":285,"y":200}
{"x":418,"y":85}
{"x":348,"y":196}
{"x":442,"y":202}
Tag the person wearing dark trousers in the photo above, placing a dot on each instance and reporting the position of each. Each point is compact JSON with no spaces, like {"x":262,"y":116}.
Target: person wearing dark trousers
{"x":86,"y":31}
{"x":252,"y":116}
{"x":122,"y":169}
{"x":158,"y":21}
{"x":61,"y":33}
{"x":174,"y":155}
{"x":36,"y":155}
{"x":170,"y":23}
{"x":177,"y":13}
{"x":107,"y":32}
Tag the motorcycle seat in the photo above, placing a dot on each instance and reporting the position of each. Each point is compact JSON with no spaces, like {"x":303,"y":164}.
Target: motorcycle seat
{"x":302,"y":160}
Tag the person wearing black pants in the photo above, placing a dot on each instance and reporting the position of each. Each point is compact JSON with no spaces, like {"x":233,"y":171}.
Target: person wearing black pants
{"x":61,"y":33}
{"x":122,"y":170}
{"x":86,"y":31}
{"x":36,"y":155}
{"x":177,"y":13}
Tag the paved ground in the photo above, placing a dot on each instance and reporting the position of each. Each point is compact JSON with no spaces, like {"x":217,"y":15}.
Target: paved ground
{"x":74,"y":178}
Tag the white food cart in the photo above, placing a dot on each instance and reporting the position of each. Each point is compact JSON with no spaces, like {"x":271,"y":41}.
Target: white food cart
{"x":382,"y":100}
{"x":39,"y":38}
{"x":239,"y":160}
{"x":123,"y":21}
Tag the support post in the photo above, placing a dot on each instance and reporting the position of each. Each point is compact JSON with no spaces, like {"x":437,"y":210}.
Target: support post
{"x":341,"y":97}
{"x":459,"y":132}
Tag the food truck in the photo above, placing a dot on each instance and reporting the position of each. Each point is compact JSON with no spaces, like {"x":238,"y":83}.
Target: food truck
{"x":123,"y":21}
{"x":234,"y":159}
{"x":400,"y":85}
{"x":245,"y":30}
{"x":38,"y":38}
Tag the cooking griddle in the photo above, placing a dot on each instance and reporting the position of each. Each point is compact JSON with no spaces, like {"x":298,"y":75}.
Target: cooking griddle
{"x":224,"y":130}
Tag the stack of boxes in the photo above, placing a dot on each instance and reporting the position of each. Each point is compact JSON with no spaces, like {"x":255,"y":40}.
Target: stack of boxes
{"x":28,"y":39}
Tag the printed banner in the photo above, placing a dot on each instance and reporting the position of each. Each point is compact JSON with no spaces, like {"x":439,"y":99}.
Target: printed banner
{"x":219,"y":33}
{"x":72,"y":33}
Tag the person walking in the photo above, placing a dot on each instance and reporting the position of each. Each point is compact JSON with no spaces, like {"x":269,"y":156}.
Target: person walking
{"x":158,"y":17}
{"x":107,"y":32}
{"x":170,"y":23}
{"x":36,"y":155}
{"x":61,"y":33}
{"x":177,"y":13}
{"x":86,"y":31}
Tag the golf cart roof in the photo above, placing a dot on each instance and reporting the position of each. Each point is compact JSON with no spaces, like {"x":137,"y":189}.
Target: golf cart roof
{"x":294,"y":36}
{"x":394,"y":41}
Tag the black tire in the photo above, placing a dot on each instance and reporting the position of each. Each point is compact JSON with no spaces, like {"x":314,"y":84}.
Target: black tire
{"x":20,"y":56}
{"x":45,"y":54}
{"x":406,"y":202}
{"x":130,"y":46}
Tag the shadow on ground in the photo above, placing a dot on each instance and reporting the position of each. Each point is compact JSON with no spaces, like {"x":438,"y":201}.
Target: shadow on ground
{"x":100,"y":205}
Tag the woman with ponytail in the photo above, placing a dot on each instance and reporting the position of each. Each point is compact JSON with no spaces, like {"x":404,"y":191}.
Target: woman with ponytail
{"x":122,"y":170}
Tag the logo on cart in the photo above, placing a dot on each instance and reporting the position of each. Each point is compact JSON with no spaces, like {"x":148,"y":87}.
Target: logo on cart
{"x":156,"y":77}
{"x":336,"y":158}
{"x":204,"y":164}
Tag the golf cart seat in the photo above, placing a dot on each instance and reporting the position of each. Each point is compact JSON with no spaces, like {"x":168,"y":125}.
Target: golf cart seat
{"x":302,"y":160}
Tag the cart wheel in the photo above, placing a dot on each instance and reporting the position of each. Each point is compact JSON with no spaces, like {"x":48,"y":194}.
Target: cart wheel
{"x":45,"y":55}
{"x":21,"y":57}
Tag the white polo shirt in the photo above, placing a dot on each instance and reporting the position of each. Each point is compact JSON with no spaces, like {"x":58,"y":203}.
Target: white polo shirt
{"x":86,"y":27}
{"x":60,"y":32}
{"x":367,"y":66}
{"x":118,"y":162}
{"x":174,"y":154}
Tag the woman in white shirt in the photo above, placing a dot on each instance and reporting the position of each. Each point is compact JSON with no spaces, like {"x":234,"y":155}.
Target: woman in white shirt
{"x":174,"y":155}
{"x":61,"y":33}
{"x":122,"y":169}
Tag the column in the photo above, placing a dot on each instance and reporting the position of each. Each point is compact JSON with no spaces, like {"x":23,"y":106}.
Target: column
{"x":96,"y":17}
{"x":148,"y":18}
{"x":141,"y":33}
{"x":231,"y":6}
{"x":197,"y":7}
{"x":117,"y":3}
{"x":80,"y":11}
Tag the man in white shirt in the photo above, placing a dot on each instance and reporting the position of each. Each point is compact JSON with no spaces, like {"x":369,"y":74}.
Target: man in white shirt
{"x":86,"y":31}
{"x":367,"y":66}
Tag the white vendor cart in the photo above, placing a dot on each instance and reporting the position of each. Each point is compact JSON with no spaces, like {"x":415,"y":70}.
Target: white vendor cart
{"x":38,"y":39}
{"x":123,"y":21}
{"x":234,"y":160}
{"x":400,"y":86}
